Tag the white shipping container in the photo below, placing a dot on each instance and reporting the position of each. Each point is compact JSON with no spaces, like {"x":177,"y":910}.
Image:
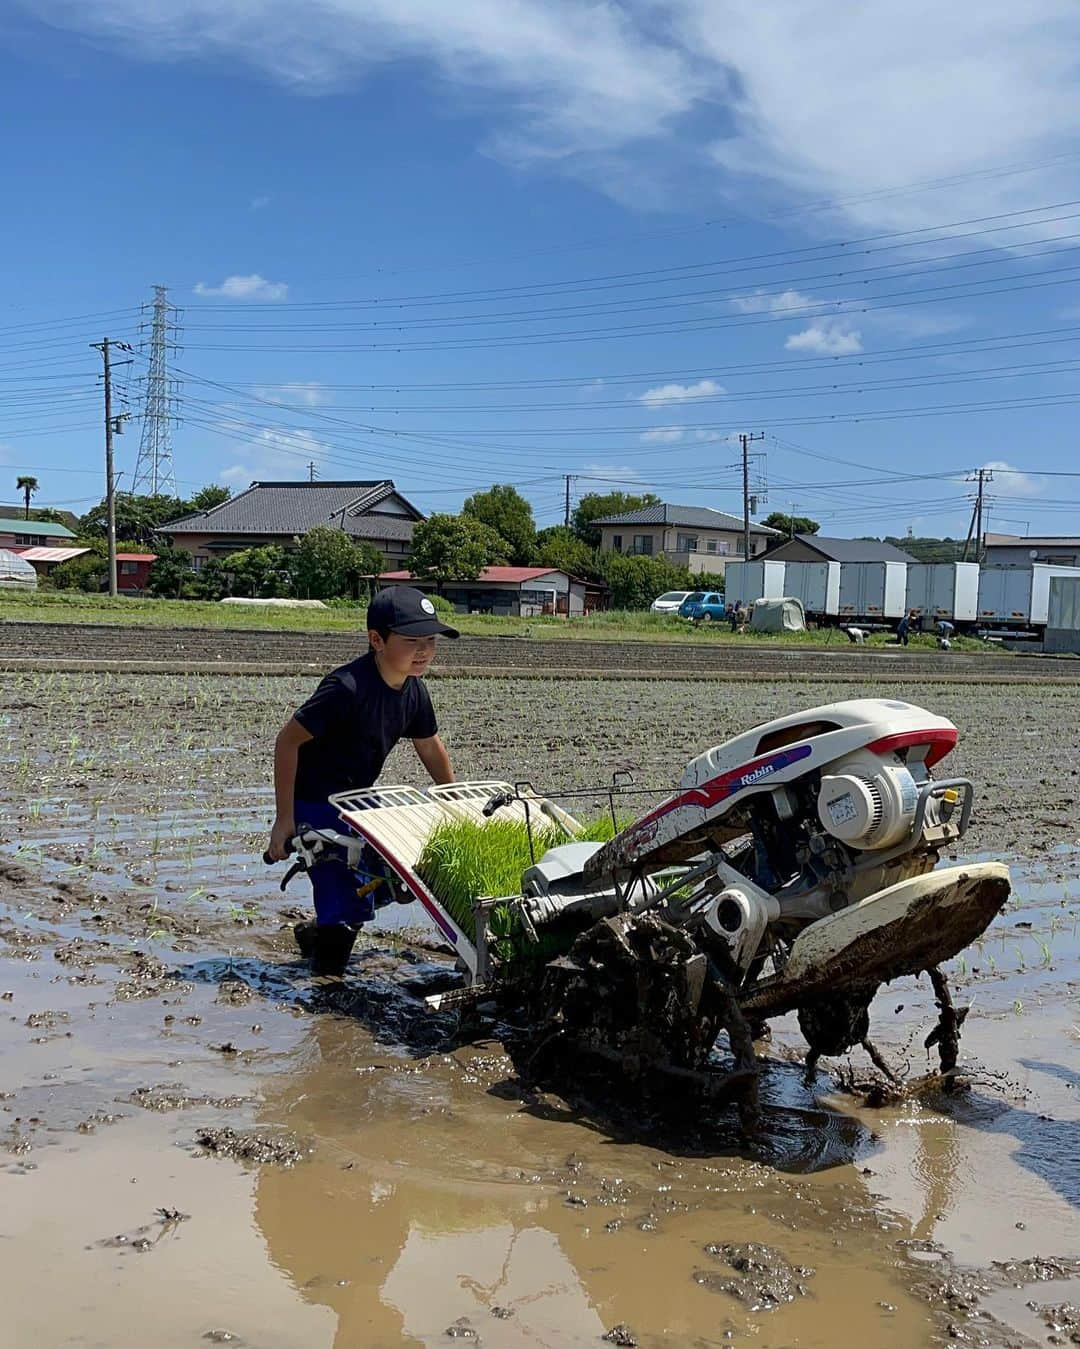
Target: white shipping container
{"x":873,"y":589}
{"x":816,"y":584}
{"x":746,"y":582}
{"x":944,"y":590}
{"x":1019,"y":595}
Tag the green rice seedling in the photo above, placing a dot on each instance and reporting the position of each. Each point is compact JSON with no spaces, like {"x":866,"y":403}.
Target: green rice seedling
{"x":464,"y":861}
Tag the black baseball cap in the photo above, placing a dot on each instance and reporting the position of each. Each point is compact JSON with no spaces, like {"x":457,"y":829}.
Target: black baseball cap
{"x":408,"y":611}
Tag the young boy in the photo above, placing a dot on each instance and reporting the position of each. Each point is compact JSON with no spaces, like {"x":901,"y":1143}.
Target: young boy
{"x":339,"y":740}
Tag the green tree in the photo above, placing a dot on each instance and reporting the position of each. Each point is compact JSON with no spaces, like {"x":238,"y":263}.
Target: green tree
{"x":208,"y":497}
{"x":329,"y":564}
{"x":636,"y":581}
{"x":258,"y":573}
{"x":791,"y":524}
{"x":454,"y":548}
{"x":89,"y":572}
{"x":561,"y":548}
{"x":137,"y":517}
{"x":49,"y":515}
{"x":597,"y":505}
{"x":27,"y":485}
{"x":506,"y":511}
{"x":170,"y":572}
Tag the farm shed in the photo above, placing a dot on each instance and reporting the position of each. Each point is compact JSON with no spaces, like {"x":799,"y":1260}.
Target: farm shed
{"x":522,"y":592}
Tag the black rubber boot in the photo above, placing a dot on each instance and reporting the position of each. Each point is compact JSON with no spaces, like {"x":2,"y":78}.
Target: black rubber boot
{"x":326,"y":945}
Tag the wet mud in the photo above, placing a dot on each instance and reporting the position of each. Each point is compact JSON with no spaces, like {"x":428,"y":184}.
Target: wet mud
{"x":183,"y":1107}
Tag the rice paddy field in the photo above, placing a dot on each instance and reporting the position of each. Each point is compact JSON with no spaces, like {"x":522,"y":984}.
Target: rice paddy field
{"x":182,"y":1107}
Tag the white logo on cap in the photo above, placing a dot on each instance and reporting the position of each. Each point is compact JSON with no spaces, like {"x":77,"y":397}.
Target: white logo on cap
{"x":427,"y":606}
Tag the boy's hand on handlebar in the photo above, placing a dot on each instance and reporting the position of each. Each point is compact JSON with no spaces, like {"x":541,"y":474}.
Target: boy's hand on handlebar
{"x":283,"y":831}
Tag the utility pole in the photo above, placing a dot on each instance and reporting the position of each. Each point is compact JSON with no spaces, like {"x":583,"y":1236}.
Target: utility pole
{"x":981,"y":476}
{"x":744,"y":440}
{"x":311,"y":470}
{"x":112,"y":425}
{"x":566,"y":514}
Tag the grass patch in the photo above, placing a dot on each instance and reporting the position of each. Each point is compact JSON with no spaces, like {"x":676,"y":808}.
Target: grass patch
{"x":610,"y":626}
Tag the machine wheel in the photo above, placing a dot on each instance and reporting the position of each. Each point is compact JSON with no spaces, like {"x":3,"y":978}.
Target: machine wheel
{"x":833,"y":1025}
{"x":639,"y":994}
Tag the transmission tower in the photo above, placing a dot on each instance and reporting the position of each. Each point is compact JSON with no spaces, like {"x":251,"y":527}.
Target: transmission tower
{"x":154,"y":472}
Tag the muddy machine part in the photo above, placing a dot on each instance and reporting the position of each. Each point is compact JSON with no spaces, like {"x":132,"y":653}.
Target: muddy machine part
{"x":795,"y":867}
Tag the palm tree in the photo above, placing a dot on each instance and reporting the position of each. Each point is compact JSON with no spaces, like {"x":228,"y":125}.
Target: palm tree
{"x":27,"y":486}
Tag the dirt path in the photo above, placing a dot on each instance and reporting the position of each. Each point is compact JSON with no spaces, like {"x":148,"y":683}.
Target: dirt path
{"x":182,"y":1108}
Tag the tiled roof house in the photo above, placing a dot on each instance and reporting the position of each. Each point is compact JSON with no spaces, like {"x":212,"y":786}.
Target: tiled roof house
{"x":282,"y":512}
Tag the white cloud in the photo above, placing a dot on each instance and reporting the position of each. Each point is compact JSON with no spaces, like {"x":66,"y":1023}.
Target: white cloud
{"x":308,"y":392}
{"x":826,"y":339}
{"x":273,"y":453}
{"x":253,"y":287}
{"x":762,"y":302}
{"x":827,"y":101}
{"x":663,"y":435}
{"x":258,"y":203}
{"x":1013,"y":481}
{"x":678,"y":393}
{"x":614,"y":471}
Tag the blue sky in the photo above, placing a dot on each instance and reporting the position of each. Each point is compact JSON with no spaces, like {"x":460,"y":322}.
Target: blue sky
{"x":539,"y":238}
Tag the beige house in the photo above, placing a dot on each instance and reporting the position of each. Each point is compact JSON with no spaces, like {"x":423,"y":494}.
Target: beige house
{"x":1021,"y":550}
{"x":691,"y":536}
{"x":282,"y":512}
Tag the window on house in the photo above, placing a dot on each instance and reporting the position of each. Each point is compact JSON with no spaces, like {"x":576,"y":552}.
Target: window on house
{"x":128,"y":568}
{"x":32,"y":540}
{"x":710,"y":545}
{"x":687,"y":543}
{"x":616,"y":542}
{"x":725,"y":547}
{"x":643,"y":543}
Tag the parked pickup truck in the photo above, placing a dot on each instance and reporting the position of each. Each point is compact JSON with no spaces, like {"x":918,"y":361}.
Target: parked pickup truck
{"x":703,"y":606}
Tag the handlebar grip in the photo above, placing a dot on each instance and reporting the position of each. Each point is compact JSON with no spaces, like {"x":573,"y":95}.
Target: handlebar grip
{"x":271,"y":860}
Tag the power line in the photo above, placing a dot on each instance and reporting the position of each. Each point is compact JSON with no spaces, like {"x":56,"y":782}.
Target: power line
{"x":910,"y":238}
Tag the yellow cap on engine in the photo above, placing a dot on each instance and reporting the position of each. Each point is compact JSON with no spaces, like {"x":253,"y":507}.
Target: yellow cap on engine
{"x":951,"y":795}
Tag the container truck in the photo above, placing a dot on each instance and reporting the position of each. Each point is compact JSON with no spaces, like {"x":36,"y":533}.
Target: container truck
{"x":1018,"y":597}
{"x":745,"y":582}
{"x":816,"y":584}
{"x":947,"y":590}
{"x":873,"y":590}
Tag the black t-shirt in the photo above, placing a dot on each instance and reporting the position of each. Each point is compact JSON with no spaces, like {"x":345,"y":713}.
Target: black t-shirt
{"x":356,"y":719}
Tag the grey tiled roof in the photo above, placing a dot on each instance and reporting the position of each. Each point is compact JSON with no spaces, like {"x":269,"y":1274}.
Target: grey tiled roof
{"x":693,"y":517}
{"x":849,"y":550}
{"x":292,"y":508}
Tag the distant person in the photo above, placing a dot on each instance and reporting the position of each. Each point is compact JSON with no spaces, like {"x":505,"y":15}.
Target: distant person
{"x":945,"y":630}
{"x":736,"y":616}
{"x":856,"y":635}
{"x":338,"y":741}
{"x":903,"y":628}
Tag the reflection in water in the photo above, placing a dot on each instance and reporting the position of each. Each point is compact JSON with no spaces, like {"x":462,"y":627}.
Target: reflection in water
{"x":432,"y":1197}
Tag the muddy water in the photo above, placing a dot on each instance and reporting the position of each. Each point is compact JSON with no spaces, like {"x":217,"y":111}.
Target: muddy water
{"x":426,"y":1195}
{"x":364,"y":1179}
